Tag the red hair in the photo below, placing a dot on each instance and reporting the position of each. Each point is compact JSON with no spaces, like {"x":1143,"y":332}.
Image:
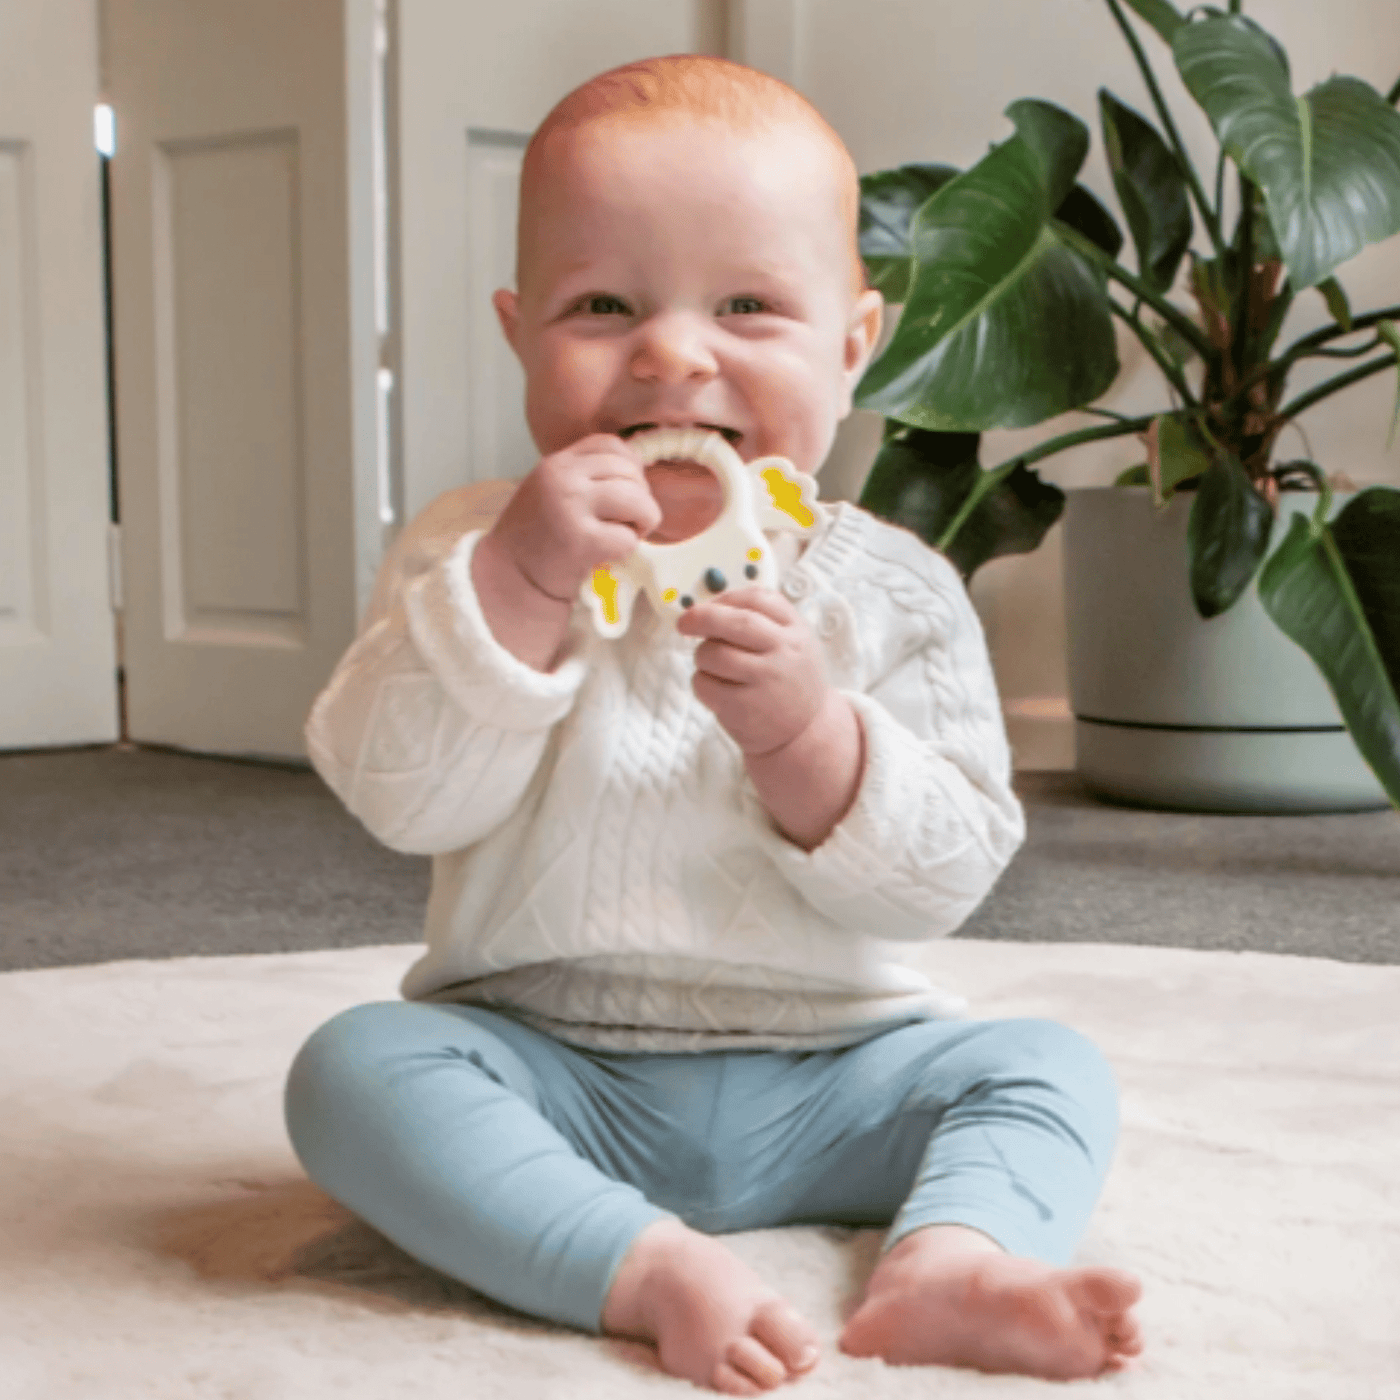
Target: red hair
{"x":744,"y":99}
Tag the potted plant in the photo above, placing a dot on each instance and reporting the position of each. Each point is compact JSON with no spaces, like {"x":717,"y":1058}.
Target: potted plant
{"x":1010,"y":279}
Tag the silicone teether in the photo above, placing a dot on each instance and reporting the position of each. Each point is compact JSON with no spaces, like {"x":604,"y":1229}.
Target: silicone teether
{"x":767,"y":494}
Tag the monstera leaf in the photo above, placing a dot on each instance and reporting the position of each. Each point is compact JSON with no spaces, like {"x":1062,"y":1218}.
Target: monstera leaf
{"x":998,"y":294}
{"x":889,"y":199}
{"x":1161,"y":15}
{"x":1328,"y":162}
{"x":922,"y":480}
{"x":1227,"y":535}
{"x":1336,"y":592}
{"x":1150,"y":188}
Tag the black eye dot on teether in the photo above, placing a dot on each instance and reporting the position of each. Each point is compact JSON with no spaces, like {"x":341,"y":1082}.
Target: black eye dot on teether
{"x":750,"y":570}
{"x":687,"y":601}
{"x":714,"y":580}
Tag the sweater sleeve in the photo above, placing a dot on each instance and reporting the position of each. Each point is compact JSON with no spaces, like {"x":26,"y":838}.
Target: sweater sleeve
{"x":934,"y":821}
{"x":429,"y":730}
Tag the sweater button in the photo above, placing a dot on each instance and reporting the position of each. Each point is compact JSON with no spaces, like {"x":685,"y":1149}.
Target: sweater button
{"x":795,"y":586}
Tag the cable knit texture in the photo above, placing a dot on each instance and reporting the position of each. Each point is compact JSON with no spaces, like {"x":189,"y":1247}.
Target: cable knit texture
{"x":602,"y":864}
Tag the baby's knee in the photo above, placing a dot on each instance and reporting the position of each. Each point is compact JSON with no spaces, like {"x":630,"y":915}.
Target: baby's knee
{"x":1031,"y":1047}
{"x":1077,"y":1083}
{"x":339,"y":1058}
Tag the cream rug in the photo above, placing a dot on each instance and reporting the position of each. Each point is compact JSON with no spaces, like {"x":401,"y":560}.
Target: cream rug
{"x":157,"y":1238}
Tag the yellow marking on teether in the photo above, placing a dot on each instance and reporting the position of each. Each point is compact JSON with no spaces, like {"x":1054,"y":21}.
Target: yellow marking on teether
{"x":605,"y":586}
{"x":669,"y":596}
{"x":787,"y":497}
{"x":755,"y":554}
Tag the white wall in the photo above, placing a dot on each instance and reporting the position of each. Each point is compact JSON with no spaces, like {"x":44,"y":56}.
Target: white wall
{"x":909,"y":80}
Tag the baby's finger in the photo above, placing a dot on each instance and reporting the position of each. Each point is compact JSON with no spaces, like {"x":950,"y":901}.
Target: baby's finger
{"x":723,"y":661}
{"x":737,"y":625}
{"x":625,"y":502}
{"x":609,"y":543}
{"x":766,"y":601}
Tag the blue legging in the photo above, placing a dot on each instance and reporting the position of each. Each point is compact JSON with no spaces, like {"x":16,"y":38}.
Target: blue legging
{"x":525,"y":1167}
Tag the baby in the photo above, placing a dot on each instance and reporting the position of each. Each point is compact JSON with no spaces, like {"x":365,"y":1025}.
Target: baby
{"x":681,"y":875}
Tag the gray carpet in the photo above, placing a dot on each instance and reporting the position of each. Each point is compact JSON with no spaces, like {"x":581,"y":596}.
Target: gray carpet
{"x":140,"y":853}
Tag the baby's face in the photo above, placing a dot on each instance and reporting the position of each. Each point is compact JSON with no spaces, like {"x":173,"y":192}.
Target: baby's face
{"x":684,"y":275}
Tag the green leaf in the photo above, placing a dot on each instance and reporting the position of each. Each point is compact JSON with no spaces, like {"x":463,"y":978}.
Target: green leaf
{"x":1390,"y":333}
{"x":889,"y":199}
{"x":1134,"y":476}
{"x":1151,"y":189}
{"x":1337,"y":594}
{"x":1337,"y":303}
{"x":1004,"y":324}
{"x":1082,"y":212}
{"x":1057,"y":139}
{"x":1163,"y":17}
{"x":1179,"y":350}
{"x":1178,"y":454}
{"x":1328,"y":162}
{"x":1227,"y":535}
{"x":922,"y":479}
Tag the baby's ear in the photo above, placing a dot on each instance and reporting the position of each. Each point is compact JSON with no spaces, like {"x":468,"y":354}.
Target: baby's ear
{"x":507,"y":305}
{"x":863,"y":330}
{"x":862,"y":333}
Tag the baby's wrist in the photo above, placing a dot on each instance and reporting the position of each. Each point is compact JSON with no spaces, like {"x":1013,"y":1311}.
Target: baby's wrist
{"x":826,"y":731}
{"x":504,"y":572}
{"x":810,"y":783}
{"x":524,"y":619}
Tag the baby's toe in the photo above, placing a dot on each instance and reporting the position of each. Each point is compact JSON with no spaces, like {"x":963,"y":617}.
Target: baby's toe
{"x":786,"y":1334}
{"x":753,"y":1361}
{"x":1126,"y":1336}
{"x":1107,"y":1290}
{"x":728,"y":1381}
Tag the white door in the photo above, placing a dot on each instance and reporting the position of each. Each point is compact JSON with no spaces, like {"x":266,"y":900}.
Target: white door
{"x":246,"y":354}
{"x":57,"y":657}
{"x":473,"y":80}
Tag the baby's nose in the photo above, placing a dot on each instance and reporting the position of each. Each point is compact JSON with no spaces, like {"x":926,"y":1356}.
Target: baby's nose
{"x":673,"y":348}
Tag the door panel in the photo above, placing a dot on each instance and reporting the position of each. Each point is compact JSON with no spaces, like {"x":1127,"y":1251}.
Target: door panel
{"x":473,"y":81}
{"x":246,"y":357}
{"x":57,"y":641}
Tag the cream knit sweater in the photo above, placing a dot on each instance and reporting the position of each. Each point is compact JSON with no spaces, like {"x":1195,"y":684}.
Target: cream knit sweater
{"x":601,"y":863}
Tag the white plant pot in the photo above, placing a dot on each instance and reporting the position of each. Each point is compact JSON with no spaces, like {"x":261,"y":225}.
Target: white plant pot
{"x":1172,"y":710}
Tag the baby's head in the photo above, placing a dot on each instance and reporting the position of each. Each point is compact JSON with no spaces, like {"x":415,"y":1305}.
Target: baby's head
{"x":687,"y":255}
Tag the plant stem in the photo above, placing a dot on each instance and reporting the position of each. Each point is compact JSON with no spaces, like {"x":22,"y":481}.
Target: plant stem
{"x":1220,"y":185}
{"x":1182,"y":323}
{"x":1153,"y":346}
{"x":1393,"y":96}
{"x":1325,"y":333}
{"x":990,"y":480}
{"x":1244,"y":278}
{"x":1356,"y":353}
{"x":1302,"y":348}
{"x":1188,"y":170}
{"x":1331,"y":386}
{"x":1324,"y":491}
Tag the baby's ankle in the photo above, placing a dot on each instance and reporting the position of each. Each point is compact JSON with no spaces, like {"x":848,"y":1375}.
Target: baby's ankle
{"x":939,"y":1243}
{"x":658,"y":1246}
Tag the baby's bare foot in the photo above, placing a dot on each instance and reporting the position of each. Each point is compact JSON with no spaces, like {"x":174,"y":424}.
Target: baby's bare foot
{"x":940,"y":1299}
{"x":712,"y":1318}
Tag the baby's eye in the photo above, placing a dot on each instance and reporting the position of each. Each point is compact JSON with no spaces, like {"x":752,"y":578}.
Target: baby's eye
{"x":602,"y":304}
{"x":744,"y":306}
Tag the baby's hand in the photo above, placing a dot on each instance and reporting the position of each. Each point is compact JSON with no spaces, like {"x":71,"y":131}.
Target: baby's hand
{"x":760,"y":668}
{"x":579,"y":508}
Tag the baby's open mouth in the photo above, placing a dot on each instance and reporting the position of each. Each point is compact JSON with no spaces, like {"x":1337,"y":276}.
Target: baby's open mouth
{"x":730,"y":435}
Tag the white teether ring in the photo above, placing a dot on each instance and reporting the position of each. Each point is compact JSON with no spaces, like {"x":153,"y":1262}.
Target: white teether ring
{"x":733,"y":551}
